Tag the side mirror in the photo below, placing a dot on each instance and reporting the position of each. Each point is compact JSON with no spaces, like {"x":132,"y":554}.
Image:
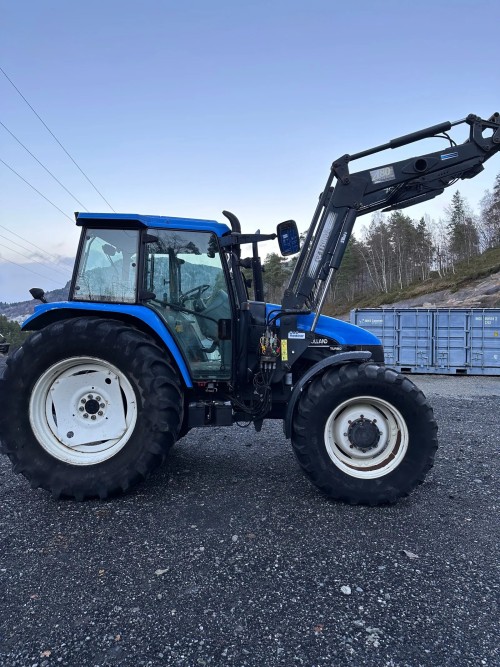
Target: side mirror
{"x":38,"y":293}
{"x":288,"y":238}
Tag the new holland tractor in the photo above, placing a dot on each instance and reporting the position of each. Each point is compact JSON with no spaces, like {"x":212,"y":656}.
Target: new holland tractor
{"x":159,"y":336}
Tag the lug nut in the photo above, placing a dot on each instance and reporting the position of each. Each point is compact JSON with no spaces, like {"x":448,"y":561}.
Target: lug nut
{"x":91,"y":396}
{"x":85,"y":415}
{"x":81,"y":408}
{"x":100,"y":413}
{"x":84,"y":400}
{"x":92,"y":417}
{"x":101,"y":405}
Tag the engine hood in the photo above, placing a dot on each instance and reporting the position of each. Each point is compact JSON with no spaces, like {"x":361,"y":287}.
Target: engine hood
{"x":343,"y":332}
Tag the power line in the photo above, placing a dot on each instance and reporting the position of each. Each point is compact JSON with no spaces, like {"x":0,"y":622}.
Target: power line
{"x":33,"y":187}
{"x":43,"y":166}
{"x":57,"y":140}
{"x":31,"y":258}
{"x":23,"y":255}
{"x":50,"y":254}
{"x":4,"y":259}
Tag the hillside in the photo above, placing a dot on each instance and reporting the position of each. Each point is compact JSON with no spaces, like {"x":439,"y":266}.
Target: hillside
{"x":473,"y":284}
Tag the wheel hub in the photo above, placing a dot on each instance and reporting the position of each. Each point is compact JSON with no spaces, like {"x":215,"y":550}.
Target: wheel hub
{"x":363,"y":433}
{"x":93,"y":406}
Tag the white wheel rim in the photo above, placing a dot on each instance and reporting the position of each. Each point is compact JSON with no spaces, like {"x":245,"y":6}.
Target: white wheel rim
{"x":386,"y":450}
{"x":83,"y":410}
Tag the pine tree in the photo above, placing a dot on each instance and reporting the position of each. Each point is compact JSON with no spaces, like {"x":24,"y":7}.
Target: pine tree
{"x":276,"y":274}
{"x":491,"y":215}
{"x":462,"y":232}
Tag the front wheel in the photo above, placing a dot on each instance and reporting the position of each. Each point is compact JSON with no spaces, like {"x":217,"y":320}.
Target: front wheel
{"x":90,"y":407}
{"x":364,"y":434}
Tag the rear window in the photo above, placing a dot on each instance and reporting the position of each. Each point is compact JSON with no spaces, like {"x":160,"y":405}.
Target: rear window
{"x":107,"y":269}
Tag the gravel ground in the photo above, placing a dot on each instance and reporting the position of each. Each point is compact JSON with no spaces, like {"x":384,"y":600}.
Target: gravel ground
{"x":227,"y":556}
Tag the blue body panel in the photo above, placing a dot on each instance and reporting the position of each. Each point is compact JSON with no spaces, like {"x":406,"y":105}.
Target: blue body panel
{"x":146,"y":315}
{"x":343,"y":332}
{"x":156,"y":222}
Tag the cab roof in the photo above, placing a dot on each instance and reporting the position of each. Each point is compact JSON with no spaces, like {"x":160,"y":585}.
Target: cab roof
{"x":138,"y":221}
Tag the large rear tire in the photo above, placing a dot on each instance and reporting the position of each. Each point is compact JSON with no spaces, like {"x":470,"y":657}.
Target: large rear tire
{"x":90,"y":407}
{"x":364,"y":434}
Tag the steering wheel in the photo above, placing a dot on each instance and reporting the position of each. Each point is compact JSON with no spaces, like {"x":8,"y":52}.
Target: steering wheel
{"x":194,"y":293}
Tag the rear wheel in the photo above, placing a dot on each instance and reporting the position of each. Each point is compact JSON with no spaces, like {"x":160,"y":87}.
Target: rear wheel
{"x":91,"y":406}
{"x":364,"y":434}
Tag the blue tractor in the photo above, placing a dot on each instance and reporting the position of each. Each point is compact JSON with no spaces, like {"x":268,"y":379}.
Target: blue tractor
{"x":159,"y":335}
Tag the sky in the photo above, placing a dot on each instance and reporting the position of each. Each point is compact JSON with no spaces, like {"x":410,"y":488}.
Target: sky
{"x":186,"y":108}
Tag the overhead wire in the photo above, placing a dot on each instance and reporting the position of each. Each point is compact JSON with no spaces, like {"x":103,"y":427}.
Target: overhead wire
{"x":30,"y":257}
{"x":46,"y":252}
{"x":38,"y":191}
{"x":57,"y":140}
{"x":43,"y":166}
{"x":22,"y":266}
{"x":23,"y":255}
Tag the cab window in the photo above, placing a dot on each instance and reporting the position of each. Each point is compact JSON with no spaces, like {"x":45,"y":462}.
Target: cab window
{"x":107,"y":269}
{"x":185,"y":284}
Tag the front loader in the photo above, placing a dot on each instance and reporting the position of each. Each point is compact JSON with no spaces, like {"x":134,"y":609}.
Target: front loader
{"x":159,"y":336}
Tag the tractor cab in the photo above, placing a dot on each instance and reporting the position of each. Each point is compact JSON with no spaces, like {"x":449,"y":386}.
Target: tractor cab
{"x":179,"y":273}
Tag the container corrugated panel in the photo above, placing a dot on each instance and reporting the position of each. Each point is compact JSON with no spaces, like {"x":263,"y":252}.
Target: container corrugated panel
{"x":456,"y":341}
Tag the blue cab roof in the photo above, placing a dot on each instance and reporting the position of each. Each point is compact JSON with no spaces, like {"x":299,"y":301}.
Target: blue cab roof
{"x":153,"y":221}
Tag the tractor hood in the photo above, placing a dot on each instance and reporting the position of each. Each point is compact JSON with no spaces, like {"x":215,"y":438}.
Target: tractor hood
{"x":343,"y":332}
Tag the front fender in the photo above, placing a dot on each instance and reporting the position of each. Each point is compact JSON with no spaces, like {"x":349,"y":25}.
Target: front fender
{"x":334,"y":360}
{"x":145,"y":318}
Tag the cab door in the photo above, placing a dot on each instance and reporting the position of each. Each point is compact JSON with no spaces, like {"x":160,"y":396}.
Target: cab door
{"x":188,"y":287}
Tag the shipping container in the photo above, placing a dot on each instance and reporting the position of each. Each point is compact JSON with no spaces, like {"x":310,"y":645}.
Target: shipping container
{"x":458,"y":341}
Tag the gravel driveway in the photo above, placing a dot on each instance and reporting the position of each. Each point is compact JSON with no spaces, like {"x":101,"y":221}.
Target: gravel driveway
{"x":227,"y":556}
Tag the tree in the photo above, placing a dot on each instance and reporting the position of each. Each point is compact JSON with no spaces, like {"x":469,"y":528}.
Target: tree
{"x":403,"y":236}
{"x":350,"y":280}
{"x":276,"y":274}
{"x":424,"y":250}
{"x":491,"y":215}
{"x":12,"y":331}
{"x":378,"y":254}
{"x":462,"y":231}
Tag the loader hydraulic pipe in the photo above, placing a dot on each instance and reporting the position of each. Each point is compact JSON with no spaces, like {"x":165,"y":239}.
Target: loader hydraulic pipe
{"x":426,"y":133}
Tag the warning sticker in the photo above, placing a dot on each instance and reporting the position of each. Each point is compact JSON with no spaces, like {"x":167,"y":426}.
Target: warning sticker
{"x":284,"y":350}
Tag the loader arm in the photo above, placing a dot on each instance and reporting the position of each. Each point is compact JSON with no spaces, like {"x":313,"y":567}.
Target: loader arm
{"x":387,"y":187}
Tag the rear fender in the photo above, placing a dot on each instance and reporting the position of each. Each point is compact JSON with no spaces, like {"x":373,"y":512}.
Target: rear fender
{"x":334,"y":360}
{"x":139,"y":316}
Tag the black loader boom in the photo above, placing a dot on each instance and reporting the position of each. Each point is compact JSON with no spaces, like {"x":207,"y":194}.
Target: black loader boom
{"x":388,"y":187}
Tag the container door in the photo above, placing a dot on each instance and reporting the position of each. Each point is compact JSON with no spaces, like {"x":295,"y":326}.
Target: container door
{"x":485,"y":341}
{"x":452,"y":338}
{"x":414,"y":328}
